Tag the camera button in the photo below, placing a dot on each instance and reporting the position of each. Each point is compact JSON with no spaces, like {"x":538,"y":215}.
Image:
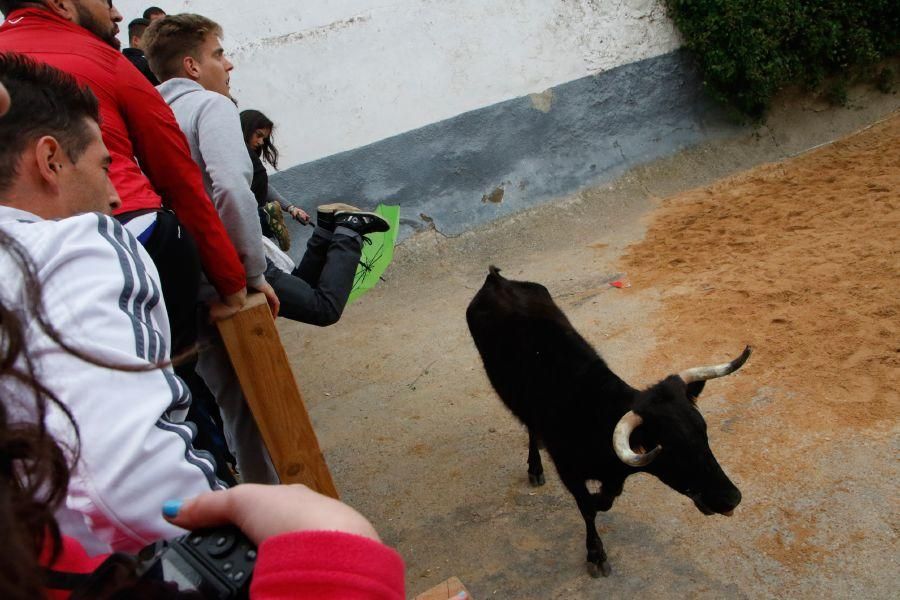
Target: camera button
{"x":251,"y":555}
{"x":237,"y":576}
{"x":222,"y":545}
{"x":196,"y":540}
{"x":227,"y":566}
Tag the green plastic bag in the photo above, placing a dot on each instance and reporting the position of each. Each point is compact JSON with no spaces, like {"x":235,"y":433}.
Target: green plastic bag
{"x":376,"y":256}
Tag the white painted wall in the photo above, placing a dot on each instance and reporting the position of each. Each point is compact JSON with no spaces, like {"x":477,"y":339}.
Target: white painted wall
{"x":338,"y":74}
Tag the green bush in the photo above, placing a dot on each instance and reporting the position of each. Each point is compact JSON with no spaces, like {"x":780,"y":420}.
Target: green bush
{"x":836,"y":94}
{"x":750,"y":49}
{"x":884,"y":81}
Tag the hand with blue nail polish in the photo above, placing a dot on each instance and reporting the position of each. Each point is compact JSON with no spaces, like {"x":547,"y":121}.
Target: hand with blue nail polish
{"x":171,"y":507}
{"x":264,"y":511}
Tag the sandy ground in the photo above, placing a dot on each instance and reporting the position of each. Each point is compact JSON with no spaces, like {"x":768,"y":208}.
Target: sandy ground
{"x":799,"y":258}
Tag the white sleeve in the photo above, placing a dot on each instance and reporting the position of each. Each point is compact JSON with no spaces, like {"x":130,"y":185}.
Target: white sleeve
{"x":228,"y":166}
{"x":101,"y":293}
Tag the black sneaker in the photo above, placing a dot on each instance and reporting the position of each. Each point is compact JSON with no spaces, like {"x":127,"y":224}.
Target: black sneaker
{"x":325,"y":214}
{"x":361,"y":222}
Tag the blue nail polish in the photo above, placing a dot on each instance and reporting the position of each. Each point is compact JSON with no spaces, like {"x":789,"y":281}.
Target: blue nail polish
{"x":171,"y":507}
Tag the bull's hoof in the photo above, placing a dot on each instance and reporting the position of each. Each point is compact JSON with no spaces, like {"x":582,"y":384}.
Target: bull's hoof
{"x":536,"y":480}
{"x":595,"y":570}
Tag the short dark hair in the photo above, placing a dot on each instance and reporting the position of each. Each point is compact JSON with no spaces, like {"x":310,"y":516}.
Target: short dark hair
{"x":153,"y":10}
{"x":137,"y":27}
{"x":7,"y":6}
{"x":44,"y":101}
{"x":168,"y":40}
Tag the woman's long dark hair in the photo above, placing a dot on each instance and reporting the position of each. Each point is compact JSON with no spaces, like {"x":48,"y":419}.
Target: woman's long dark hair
{"x":251,"y":120}
{"x":34,"y":468}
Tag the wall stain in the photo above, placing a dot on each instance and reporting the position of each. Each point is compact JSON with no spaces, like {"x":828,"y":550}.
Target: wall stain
{"x":296,"y":36}
{"x":495,"y":197}
{"x":543,"y":101}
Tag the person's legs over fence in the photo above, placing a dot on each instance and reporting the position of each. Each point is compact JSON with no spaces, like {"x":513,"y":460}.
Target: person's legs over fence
{"x":313,"y":260}
{"x":316,"y":292}
{"x":324,"y":304}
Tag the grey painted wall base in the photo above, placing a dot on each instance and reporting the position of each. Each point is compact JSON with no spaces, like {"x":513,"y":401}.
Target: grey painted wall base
{"x":491,"y":162}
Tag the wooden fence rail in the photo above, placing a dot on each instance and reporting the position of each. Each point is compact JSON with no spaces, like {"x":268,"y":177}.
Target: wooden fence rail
{"x":274,"y":398}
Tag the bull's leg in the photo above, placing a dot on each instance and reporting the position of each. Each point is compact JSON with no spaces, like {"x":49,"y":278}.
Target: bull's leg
{"x":535,"y":467}
{"x":597,"y":563}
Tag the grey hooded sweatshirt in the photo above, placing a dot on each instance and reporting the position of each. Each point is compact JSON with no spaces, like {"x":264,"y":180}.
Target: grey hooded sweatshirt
{"x":212,"y":125}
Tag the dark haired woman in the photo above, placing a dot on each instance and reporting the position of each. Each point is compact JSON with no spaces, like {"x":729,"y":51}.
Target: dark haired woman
{"x":316,"y":290}
{"x":258,"y":129}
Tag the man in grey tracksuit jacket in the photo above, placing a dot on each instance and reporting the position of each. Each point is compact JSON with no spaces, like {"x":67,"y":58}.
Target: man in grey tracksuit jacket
{"x":220,"y":152}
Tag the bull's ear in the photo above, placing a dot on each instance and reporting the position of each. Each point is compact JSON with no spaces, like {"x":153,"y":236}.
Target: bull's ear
{"x":693,"y":390}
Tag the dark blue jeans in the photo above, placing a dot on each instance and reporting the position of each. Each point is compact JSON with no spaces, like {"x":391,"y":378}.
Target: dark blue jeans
{"x":317,"y":290}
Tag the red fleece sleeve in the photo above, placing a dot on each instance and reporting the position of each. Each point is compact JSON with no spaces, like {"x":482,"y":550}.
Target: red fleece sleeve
{"x":164,"y":156}
{"x":327,"y":565}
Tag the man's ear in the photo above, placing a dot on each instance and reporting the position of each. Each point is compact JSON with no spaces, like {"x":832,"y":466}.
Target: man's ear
{"x":63,"y":8}
{"x":694,"y":389}
{"x":48,"y":155}
{"x":191,"y":67}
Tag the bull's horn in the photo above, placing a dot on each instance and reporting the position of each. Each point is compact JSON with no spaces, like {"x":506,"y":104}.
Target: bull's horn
{"x":705,"y":373}
{"x":628,"y":423}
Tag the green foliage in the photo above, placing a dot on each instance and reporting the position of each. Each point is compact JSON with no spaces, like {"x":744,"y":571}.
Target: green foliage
{"x":884,"y":81}
{"x":750,"y":49}
{"x":836,"y":94}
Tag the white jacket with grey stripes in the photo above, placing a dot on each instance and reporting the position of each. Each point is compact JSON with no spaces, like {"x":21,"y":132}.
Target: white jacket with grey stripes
{"x":101,"y":293}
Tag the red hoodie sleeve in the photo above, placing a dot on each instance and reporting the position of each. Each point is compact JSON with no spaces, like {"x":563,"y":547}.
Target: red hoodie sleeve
{"x":164,"y":156}
{"x":327,"y":565}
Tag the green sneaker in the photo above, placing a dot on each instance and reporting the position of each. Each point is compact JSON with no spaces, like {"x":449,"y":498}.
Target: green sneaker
{"x":276,"y":224}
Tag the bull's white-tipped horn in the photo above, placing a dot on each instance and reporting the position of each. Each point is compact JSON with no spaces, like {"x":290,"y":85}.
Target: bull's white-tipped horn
{"x":705,"y":373}
{"x":621,"y":444}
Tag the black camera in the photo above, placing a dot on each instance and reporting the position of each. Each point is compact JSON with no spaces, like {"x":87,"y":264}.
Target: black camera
{"x":213,"y":563}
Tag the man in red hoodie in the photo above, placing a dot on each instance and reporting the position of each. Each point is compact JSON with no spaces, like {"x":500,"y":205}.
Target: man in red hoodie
{"x":151,"y":168}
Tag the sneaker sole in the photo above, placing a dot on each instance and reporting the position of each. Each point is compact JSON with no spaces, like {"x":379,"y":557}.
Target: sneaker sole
{"x":337,"y":207}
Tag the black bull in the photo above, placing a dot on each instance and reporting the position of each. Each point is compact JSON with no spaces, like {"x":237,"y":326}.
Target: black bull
{"x":594,"y":425}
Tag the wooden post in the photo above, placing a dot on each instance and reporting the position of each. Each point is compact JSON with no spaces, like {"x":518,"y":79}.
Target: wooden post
{"x":271,"y":391}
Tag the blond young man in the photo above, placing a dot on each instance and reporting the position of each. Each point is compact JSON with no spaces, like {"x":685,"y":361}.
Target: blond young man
{"x":186,"y":54}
